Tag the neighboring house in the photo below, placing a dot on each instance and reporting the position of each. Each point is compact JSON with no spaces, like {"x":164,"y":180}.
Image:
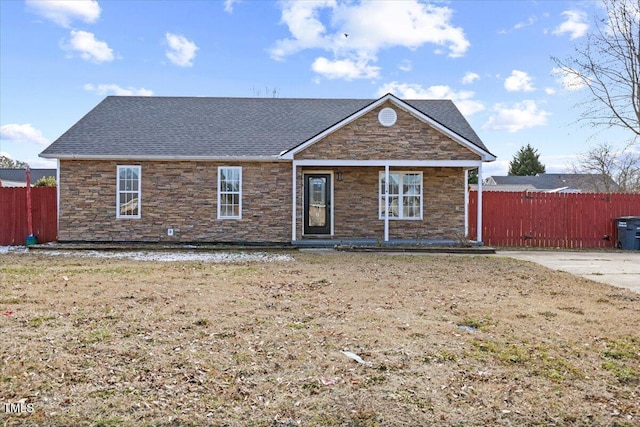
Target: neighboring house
{"x":18,"y":177}
{"x":266,"y":170}
{"x":552,"y":183}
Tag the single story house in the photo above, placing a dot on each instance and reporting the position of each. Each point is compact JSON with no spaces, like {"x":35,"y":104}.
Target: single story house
{"x":266,"y":170}
{"x":553,"y":183}
{"x":18,"y":177}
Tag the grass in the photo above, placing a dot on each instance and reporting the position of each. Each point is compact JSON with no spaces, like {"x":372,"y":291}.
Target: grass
{"x":125,"y":343}
{"x":622,"y":358}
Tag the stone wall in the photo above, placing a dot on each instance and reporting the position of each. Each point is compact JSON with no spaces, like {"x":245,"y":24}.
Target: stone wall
{"x":356,"y":205}
{"x":367,"y":139}
{"x":178,"y":195}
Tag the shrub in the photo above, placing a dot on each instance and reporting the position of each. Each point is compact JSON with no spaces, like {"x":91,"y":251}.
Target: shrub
{"x":46,"y":181}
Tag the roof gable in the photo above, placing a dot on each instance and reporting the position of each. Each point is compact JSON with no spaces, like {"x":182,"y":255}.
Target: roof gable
{"x":448,"y":115}
{"x":365,"y":138}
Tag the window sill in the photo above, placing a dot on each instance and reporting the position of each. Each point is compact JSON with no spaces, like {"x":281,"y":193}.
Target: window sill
{"x":401,"y":219}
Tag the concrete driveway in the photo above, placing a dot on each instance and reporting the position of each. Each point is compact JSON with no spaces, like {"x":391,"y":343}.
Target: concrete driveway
{"x":620,"y":269}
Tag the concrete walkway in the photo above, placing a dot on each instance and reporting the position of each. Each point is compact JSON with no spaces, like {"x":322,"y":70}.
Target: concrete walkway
{"x":621,"y":269}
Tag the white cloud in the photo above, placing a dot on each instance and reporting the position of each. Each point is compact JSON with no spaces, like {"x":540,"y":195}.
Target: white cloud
{"x":22,"y":133}
{"x":499,"y":167}
{"x":228,"y":5}
{"x":549,"y":91}
{"x":181,"y":51}
{"x":406,"y":65}
{"x":355,"y":31}
{"x":469,"y":78}
{"x":40,"y":163}
{"x":568,"y":78}
{"x":88,"y":47}
{"x":518,"y":81}
{"x":575,"y":24}
{"x":520,"y":25}
{"x":114,"y":89}
{"x":522,"y":115}
{"x":345,"y":69}
{"x":63,"y":12}
{"x":558,"y":163}
{"x":462,"y":99}
{"x":308,"y":32}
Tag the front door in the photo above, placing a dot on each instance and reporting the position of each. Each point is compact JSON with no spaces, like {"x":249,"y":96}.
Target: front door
{"x":317,"y":203}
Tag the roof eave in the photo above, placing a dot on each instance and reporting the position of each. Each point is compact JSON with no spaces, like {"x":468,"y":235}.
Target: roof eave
{"x":162,"y":158}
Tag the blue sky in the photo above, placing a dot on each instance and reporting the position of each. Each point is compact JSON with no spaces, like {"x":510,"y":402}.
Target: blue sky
{"x":58,"y":59}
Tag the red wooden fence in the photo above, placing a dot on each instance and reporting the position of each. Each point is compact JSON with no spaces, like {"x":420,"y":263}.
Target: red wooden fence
{"x":13,"y":214}
{"x":558,"y":220}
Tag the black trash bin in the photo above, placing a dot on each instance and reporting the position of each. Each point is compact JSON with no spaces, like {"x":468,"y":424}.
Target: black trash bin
{"x":628,"y":232}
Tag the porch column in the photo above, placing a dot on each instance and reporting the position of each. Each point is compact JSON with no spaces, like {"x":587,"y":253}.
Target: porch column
{"x":386,"y":203}
{"x":466,"y":203}
{"x":479,"y":221}
{"x":294,"y":200}
{"x":58,"y":196}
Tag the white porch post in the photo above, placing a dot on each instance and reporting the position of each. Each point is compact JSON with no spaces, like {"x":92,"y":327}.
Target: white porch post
{"x":479,"y":226}
{"x":386,"y":203}
{"x":294,"y":201}
{"x":466,"y":203}
{"x":58,"y":195}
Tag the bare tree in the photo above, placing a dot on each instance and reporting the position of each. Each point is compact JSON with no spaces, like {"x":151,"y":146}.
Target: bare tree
{"x":613,"y":170}
{"x":273,"y":92}
{"x":8,"y":163}
{"x":608,"y":64}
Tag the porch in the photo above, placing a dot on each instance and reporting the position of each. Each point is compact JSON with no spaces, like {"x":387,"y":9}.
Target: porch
{"x":383,"y":202}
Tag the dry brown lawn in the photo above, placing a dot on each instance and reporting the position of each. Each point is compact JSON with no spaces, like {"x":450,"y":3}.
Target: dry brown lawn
{"x":446,"y":340}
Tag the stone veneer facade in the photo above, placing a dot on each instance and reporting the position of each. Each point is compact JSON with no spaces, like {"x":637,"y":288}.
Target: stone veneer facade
{"x":356,"y":203}
{"x":366,"y":139}
{"x":356,"y":198}
{"x":178,"y":195}
{"x":183,"y":194}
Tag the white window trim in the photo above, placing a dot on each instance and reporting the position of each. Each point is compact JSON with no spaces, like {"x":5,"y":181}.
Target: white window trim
{"x":239,"y":169}
{"x":139,"y":169}
{"x":400,"y":196}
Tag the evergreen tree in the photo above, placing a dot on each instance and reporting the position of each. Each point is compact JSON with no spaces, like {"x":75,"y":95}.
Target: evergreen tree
{"x":526,"y":162}
{"x":473,"y":176}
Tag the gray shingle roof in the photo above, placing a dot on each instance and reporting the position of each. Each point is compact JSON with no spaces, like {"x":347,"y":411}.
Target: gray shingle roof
{"x":217,"y":127}
{"x":551,"y":181}
{"x":19,"y":175}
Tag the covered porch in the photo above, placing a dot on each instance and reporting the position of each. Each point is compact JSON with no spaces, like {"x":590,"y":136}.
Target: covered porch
{"x":383,"y":203}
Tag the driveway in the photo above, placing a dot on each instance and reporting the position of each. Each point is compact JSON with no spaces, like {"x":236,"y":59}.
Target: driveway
{"x":620,"y":269}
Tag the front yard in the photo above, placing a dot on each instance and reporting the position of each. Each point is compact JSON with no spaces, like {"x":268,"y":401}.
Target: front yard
{"x":446,"y":340}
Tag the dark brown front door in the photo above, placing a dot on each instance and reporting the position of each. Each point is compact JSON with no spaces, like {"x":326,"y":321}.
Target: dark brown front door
{"x":317,"y":204}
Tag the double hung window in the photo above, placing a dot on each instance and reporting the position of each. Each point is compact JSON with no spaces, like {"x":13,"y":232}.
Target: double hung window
{"x":129,"y":192}
{"x":405,"y":195}
{"x":229,"y":192}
